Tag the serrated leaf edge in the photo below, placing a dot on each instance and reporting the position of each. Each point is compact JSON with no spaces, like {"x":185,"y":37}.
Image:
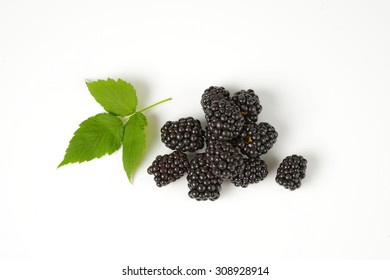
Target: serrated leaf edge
{"x":131,"y":173}
{"x":63,"y":163}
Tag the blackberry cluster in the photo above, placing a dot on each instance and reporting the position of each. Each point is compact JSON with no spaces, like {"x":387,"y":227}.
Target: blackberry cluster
{"x":168,"y":168}
{"x":249,"y":104}
{"x":203,"y":184}
{"x":185,"y":135}
{"x":212,"y":94}
{"x":224,"y":160}
{"x":224,"y":120}
{"x":234,"y":144}
{"x":254,"y":170}
{"x":256,"y":139}
{"x":291,"y":172}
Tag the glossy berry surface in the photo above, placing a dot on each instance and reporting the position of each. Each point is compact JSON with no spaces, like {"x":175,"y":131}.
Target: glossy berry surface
{"x":249,"y":104}
{"x":203,"y":184}
{"x":185,"y":135}
{"x":291,"y":172}
{"x":256,"y":139}
{"x":168,"y":168}
{"x":213,"y":94}
{"x":224,"y":120}
{"x":224,"y":160}
{"x":254,"y":170}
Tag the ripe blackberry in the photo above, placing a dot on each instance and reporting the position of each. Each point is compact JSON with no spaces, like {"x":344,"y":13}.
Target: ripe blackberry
{"x":291,"y":171}
{"x":211,"y":94}
{"x":202,"y":182}
{"x":254,"y":171}
{"x":168,"y":168}
{"x":256,"y":139}
{"x":224,"y":160}
{"x":224,"y":120}
{"x":249,"y":104}
{"x":184,"y":135}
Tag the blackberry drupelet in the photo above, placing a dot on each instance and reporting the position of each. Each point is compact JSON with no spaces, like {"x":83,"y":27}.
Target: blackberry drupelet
{"x":256,"y":139}
{"x":254,"y":171}
{"x":291,"y":171}
{"x":184,"y":135}
{"x":203,"y":184}
{"x":249,"y":104}
{"x":211,"y":94}
{"x":224,"y":120}
{"x":224,"y":160}
{"x":168,"y":168}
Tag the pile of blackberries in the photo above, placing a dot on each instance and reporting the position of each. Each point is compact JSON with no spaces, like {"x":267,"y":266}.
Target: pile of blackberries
{"x":234,"y":144}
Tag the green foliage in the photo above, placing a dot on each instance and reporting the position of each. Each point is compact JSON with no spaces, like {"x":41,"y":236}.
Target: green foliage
{"x":116,"y":97}
{"x":96,"y":136}
{"x":106,"y":132}
{"x":134,"y":143}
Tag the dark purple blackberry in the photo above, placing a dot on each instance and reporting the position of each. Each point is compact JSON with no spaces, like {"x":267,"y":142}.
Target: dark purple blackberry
{"x":211,"y":94}
{"x":224,"y":160}
{"x":224,"y":120}
{"x":168,"y":168}
{"x":249,"y":104}
{"x":203,"y":184}
{"x":256,"y":139}
{"x":291,"y":171}
{"x":254,"y":171}
{"x":184,"y":135}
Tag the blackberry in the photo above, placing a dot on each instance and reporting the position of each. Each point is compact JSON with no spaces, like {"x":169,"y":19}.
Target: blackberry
{"x":202,"y":182}
{"x":224,"y":160}
{"x":249,"y":104}
{"x":291,"y":171}
{"x":256,"y":139}
{"x":224,"y":120}
{"x":211,"y":94}
{"x":185,"y":135}
{"x":254,"y":171}
{"x":168,"y":168}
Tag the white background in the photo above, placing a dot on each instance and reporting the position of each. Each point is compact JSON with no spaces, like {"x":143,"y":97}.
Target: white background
{"x":321,"y":69}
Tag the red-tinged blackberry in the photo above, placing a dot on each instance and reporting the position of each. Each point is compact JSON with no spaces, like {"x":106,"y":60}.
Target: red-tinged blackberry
{"x":224,"y":160}
{"x":185,"y":135}
{"x":211,"y":94}
{"x":291,"y":171}
{"x":256,"y":139}
{"x":224,"y":120}
{"x":203,"y":184}
{"x":168,"y":168}
{"x":254,"y":171}
{"x":249,"y":104}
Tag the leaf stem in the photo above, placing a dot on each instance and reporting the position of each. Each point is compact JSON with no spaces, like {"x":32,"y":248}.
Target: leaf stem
{"x":155,"y":104}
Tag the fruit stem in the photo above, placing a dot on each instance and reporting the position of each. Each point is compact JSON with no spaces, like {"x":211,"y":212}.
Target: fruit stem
{"x":155,"y":104}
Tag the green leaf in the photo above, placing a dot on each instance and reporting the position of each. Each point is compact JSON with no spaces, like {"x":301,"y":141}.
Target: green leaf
{"x":134,"y":143}
{"x":96,"y":136}
{"x":116,"y":97}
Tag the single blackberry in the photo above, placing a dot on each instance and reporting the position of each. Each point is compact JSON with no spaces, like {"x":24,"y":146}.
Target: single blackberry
{"x":224,"y":160}
{"x":211,"y":94}
{"x":249,"y":104}
{"x":202,"y":182}
{"x":184,"y":135}
{"x":254,"y":171}
{"x":291,"y":171}
{"x":224,"y":120}
{"x":256,"y":139}
{"x":168,"y":168}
